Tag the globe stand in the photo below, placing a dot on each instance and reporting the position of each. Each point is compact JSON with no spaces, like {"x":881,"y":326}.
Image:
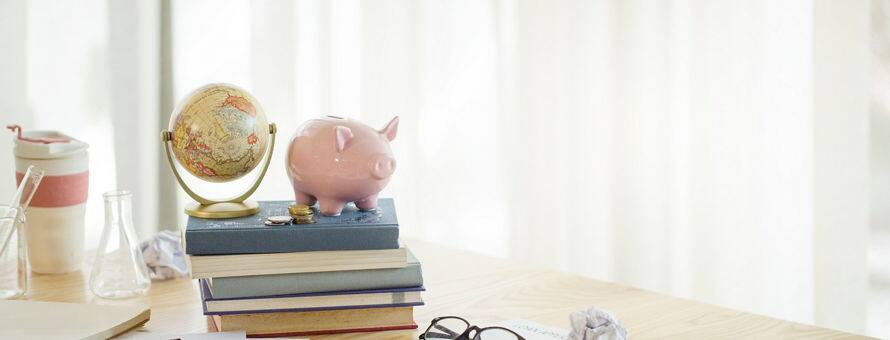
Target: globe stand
{"x":222,"y":209}
{"x":226,"y":208}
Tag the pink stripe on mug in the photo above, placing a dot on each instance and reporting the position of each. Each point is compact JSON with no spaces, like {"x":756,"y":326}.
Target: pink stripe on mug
{"x":60,"y":191}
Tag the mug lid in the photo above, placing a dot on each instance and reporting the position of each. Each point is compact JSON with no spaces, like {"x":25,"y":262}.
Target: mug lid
{"x":40,"y":144}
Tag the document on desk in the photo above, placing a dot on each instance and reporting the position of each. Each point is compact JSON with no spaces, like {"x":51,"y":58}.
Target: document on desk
{"x":531,"y":330}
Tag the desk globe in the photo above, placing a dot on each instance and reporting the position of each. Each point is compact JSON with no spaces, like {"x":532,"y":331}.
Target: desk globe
{"x":219,"y":133}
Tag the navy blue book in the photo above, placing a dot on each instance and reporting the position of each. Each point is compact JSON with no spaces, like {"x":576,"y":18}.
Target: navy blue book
{"x":309,"y":302}
{"x":352,"y":230}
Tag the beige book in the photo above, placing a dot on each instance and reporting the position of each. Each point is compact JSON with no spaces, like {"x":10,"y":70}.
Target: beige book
{"x":208,"y":266}
{"x":56,"y":320}
{"x":318,"y":322}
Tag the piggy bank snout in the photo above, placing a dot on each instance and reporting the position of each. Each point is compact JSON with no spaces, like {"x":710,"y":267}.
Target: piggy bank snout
{"x":382,"y":166}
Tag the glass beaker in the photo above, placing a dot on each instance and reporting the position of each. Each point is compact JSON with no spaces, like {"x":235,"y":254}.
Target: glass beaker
{"x":13,"y":255}
{"x":13,"y":246}
{"x":119,"y":270}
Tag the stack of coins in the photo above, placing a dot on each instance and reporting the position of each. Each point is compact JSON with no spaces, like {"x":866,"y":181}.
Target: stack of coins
{"x":301,"y":213}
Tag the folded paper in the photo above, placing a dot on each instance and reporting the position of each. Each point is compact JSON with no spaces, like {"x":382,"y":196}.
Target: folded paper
{"x":164,"y":256}
{"x":596,"y":324}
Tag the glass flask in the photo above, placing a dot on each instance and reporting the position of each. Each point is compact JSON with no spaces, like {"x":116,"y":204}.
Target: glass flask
{"x":119,"y":271}
{"x":14,"y":255}
{"x":13,"y":246}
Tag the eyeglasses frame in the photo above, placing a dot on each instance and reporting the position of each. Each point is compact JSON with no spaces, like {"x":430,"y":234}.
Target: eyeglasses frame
{"x":466,"y":333}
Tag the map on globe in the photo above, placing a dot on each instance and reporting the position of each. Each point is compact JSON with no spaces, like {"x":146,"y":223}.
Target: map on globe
{"x":219,"y":133}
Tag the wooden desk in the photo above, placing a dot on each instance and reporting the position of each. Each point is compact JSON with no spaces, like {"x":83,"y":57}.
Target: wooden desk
{"x":483,"y":290}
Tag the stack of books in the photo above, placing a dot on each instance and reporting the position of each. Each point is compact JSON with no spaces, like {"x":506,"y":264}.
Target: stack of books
{"x":346,"y":273}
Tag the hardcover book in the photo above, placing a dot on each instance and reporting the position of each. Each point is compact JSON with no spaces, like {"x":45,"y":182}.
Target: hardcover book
{"x":353,"y":229}
{"x":393,"y":297}
{"x":316,"y":323}
{"x":313,"y":282}
{"x":208,"y":266}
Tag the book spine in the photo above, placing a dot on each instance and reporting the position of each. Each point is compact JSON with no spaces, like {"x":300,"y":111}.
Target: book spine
{"x":270,"y":285}
{"x":312,"y":309}
{"x":323,"y":321}
{"x":288,"y":240}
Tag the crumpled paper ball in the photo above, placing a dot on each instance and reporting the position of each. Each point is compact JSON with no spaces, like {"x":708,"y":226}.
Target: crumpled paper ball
{"x":164,"y":256}
{"x":595,"y":324}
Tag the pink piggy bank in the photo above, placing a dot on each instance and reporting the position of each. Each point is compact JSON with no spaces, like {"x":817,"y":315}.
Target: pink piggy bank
{"x":336,"y":160}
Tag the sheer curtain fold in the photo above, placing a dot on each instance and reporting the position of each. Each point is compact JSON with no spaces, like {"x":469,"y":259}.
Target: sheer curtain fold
{"x":134,"y":52}
{"x":13,"y":107}
{"x":89,"y":70}
{"x":672,"y":146}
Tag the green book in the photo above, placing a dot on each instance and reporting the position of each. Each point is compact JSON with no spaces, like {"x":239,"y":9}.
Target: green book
{"x":284,"y":284}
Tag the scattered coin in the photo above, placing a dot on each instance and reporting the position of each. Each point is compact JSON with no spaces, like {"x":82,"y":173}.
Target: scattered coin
{"x":279,"y":219}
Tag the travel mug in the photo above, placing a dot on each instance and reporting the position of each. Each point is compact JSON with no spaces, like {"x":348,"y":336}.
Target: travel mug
{"x":54,"y":228}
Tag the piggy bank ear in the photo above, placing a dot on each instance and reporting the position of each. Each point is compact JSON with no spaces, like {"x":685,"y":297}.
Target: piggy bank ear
{"x":342,"y":135}
{"x":391,"y":129}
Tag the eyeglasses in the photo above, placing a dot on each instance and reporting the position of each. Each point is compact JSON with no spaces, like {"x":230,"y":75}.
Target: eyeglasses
{"x":455,"y":328}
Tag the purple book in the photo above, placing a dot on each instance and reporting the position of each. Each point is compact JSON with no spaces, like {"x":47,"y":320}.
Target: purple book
{"x":306,"y":302}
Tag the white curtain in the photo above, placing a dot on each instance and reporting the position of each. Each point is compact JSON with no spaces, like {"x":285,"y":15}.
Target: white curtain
{"x":704,"y":149}
{"x":879,"y":238}
{"x":714,"y":150}
{"x":89,"y":69}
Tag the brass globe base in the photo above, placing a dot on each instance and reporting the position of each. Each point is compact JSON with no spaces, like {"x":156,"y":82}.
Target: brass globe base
{"x":222,"y":209}
{"x":237,"y":206}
